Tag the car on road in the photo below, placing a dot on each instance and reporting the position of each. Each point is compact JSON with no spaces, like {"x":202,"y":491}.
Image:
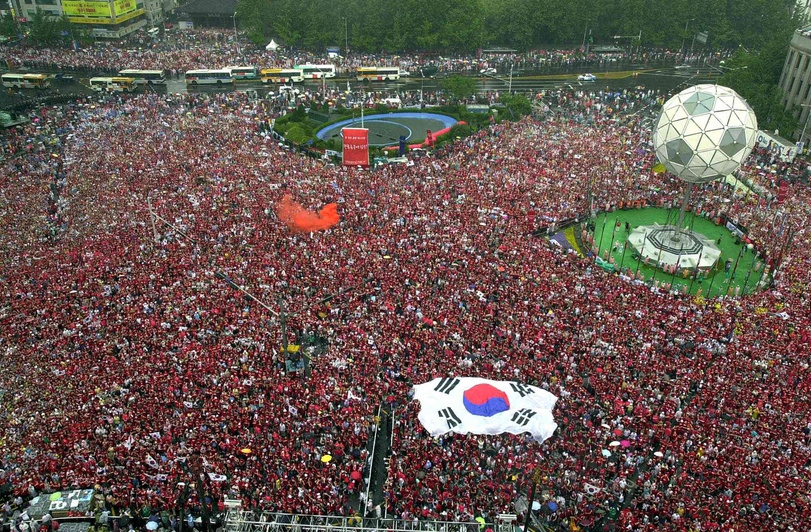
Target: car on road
{"x":586,"y":77}
{"x":488,"y":71}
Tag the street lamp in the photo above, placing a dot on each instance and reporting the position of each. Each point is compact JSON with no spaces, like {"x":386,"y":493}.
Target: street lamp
{"x":684,"y":37}
{"x":346,"y":37}
{"x":236,"y":35}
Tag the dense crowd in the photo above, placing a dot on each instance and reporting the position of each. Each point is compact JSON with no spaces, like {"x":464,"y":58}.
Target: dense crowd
{"x":180,"y":50}
{"x":131,"y":365}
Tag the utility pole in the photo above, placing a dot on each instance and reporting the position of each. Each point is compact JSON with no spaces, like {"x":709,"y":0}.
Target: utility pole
{"x":684,"y":37}
{"x":346,"y":37}
{"x":236,"y":35}
{"x":585,"y":33}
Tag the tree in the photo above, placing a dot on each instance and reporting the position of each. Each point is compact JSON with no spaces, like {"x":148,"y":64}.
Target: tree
{"x":464,"y":25}
{"x":48,"y":30}
{"x":755,"y":76}
{"x":516,"y":106}
{"x":8,"y":27}
{"x":458,"y":87}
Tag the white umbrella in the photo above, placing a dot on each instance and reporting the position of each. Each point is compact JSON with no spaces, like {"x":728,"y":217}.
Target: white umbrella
{"x":152,"y":525}
{"x":614,"y":444}
{"x":658,"y":453}
{"x":606,"y":453}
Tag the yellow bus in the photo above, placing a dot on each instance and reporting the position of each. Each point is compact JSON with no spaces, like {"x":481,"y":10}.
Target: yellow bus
{"x":281,"y":75}
{"x":26,"y":81}
{"x":116,"y":84}
{"x":378,"y":74}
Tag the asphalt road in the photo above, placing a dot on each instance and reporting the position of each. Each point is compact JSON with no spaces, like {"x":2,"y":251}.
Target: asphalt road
{"x":663,"y":79}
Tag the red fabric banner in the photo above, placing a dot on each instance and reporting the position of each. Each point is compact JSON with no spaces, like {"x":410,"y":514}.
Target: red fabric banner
{"x":356,"y":146}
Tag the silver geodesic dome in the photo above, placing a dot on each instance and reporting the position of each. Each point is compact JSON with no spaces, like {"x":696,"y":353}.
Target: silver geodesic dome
{"x":704,"y":132}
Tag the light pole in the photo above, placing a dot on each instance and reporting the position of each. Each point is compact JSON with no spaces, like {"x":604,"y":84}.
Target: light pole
{"x":684,"y":38}
{"x":346,"y":37}
{"x":236,"y":35}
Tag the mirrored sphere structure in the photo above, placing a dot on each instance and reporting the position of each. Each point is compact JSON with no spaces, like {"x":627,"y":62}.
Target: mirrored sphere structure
{"x":704,"y":132}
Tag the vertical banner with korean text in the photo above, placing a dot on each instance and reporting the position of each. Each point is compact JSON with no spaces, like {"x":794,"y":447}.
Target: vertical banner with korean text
{"x":356,"y":146}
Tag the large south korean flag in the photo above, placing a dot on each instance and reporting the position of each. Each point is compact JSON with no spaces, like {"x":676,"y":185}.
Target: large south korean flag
{"x":479,"y":406}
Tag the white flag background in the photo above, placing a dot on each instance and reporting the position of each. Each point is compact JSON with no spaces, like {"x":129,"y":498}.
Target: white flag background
{"x":479,"y":406}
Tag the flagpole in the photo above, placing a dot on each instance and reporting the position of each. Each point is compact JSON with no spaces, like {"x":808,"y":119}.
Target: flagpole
{"x":678,"y":262}
{"x":697,"y":270}
{"x":602,"y":233}
{"x":751,"y":265}
{"x":763,"y":267}
{"x":712,"y":280}
{"x":642,"y":251}
{"x":657,"y":265}
{"x":624,"y":249}
{"x":732,"y":275}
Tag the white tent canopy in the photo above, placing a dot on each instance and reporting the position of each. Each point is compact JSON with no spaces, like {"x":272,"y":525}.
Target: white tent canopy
{"x":665,"y":245}
{"x":272,"y":46}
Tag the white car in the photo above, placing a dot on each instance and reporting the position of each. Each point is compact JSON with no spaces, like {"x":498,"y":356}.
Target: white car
{"x":586,"y":77}
{"x":488,"y":71}
{"x":405,"y":74}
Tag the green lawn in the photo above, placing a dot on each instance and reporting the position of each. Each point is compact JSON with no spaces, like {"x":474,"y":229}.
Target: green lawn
{"x":745,"y":276}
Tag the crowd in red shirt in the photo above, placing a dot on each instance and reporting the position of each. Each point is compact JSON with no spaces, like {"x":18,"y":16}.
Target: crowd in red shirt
{"x":129,"y":364}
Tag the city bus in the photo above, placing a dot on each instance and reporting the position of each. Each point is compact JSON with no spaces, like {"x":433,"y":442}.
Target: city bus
{"x":210,"y":77}
{"x":378,"y":73}
{"x":26,"y":81}
{"x":243,"y":72}
{"x":145,"y":77}
{"x":316,"y":71}
{"x":116,"y":84}
{"x":281,"y":75}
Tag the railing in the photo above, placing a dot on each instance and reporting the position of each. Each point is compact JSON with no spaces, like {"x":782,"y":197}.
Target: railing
{"x":245,"y":521}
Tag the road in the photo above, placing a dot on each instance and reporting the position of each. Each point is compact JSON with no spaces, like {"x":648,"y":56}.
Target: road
{"x":661,"y":79}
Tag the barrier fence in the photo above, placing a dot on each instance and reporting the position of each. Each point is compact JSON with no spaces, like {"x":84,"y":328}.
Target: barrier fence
{"x":238,"y":520}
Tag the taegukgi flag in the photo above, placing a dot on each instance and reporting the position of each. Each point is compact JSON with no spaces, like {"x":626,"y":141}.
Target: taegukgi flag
{"x":479,"y":406}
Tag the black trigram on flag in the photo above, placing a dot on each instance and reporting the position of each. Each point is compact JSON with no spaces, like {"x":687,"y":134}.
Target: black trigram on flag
{"x":523,"y":416}
{"x":446,"y":385}
{"x":521,"y":389}
{"x":450,"y":417}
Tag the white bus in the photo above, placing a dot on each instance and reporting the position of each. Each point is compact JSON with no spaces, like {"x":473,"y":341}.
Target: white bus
{"x":210,"y":77}
{"x":145,"y":77}
{"x":243,"y":72}
{"x":316,"y":71}
{"x":116,"y":84}
{"x":378,"y":74}
{"x":281,"y":75}
{"x":26,"y":81}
